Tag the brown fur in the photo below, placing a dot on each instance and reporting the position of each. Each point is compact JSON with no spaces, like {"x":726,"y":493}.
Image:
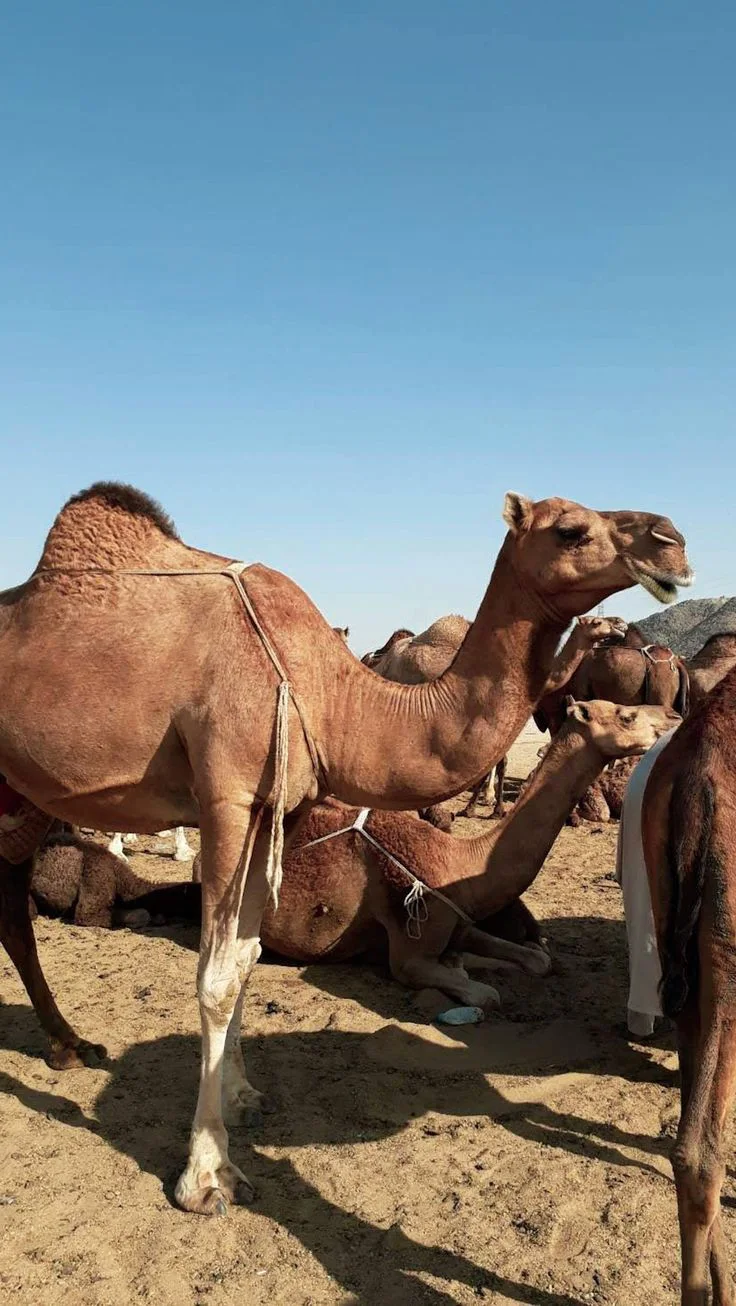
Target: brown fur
{"x":621,"y":675}
{"x":341,"y":896}
{"x":689,"y":835}
{"x":710,"y":665}
{"x":82,"y":882}
{"x":603,"y":801}
{"x":372,"y":659}
{"x":144,"y":702}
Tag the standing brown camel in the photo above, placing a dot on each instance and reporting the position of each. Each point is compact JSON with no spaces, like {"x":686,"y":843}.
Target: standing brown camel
{"x":710,"y":665}
{"x":689,"y":839}
{"x":339,"y":893}
{"x":412,"y":660}
{"x":632,"y":673}
{"x":142,"y":690}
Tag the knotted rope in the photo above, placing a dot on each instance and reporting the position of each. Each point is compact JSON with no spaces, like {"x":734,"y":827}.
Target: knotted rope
{"x":417,"y":911}
{"x":277,"y":798}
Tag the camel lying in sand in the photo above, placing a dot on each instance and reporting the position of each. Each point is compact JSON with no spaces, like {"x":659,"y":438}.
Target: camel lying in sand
{"x":631,"y":673}
{"x":710,"y":665}
{"x":147,"y":684}
{"x":82,"y":882}
{"x":689,"y":839}
{"x":340,"y":895}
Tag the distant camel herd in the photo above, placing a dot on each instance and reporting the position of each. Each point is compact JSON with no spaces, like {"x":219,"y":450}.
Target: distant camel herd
{"x":149,"y":685}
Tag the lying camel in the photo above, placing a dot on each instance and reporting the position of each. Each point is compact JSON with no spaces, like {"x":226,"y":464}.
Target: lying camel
{"x":603,"y":801}
{"x":632,"y":673}
{"x":338,"y":895}
{"x":689,"y":839}
{"x":148,"y":684}
{"x":710,"y":665}
{"x":80,"y":881}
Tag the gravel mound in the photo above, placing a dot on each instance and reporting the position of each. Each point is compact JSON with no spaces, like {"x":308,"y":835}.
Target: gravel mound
{"x":685,"y":627}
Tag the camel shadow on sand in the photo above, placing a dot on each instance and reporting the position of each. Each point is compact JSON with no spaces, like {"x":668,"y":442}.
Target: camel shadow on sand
{"x":373,"y":1265}
{"x":415,"y":1080}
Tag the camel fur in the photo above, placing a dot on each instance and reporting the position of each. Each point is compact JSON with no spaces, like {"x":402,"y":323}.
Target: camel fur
{"x":632,"y":673}
{"x":689,"y":840}
{"x":341,"y":896}
{"x":139,"y":698}
{"x":710,"y":664}
{"x":78,"y":880}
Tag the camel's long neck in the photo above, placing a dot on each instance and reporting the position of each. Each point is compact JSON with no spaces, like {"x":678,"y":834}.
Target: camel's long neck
{"x":399,"y":746}
{"x":492,"y":870}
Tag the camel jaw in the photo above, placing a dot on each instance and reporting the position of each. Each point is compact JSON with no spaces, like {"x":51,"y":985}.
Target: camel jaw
{"x":662,"y":586}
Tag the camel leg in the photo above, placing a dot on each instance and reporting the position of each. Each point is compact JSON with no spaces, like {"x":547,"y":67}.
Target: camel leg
{"x":708,"y":1067}
{"x":480,"y":794}
{"x":115,"y":846}
{"x":66,"y":1049}
{"x":240,"y":1099}
{"x":416,"y":971}
{"x":233,"y":850}
{"x":182,"y":851}
{"x":529,"y":957}
{"x":500,"y":780}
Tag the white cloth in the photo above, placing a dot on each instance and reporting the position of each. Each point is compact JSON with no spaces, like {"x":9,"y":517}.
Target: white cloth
{"x":631,"y":872}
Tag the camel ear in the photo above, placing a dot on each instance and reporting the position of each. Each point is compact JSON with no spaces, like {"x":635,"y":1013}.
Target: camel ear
{"x":517,"y":512}
{"x":578,"y":711}
{"x":347,"y":632}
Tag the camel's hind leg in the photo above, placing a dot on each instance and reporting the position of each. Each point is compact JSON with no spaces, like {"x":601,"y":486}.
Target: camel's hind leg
{"x":234,"y":850}
{"x":67,"y":1050}
{"x":708,"y":1072}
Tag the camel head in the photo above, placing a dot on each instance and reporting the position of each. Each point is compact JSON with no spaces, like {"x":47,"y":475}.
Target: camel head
{"x":574,"y":557}
{"x":619,"y":731}
{"x":343,"y":632}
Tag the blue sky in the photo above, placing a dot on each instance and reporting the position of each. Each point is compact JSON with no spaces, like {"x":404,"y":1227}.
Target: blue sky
{"x":328,"y":278}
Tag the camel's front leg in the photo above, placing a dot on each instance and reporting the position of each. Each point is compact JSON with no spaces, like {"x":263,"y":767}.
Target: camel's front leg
{"x":67,"y":1050}
{"x":480,"y":947}
{"x":417,"y":970}
{"x":232,"y":854}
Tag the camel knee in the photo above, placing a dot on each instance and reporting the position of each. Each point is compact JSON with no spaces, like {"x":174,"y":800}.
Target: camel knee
{"x":699,"y":1172}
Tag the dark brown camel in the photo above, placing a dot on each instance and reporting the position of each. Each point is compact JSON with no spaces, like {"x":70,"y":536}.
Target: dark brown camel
{"x":710,"y":665}
{"x":632,"y":673}
{"x":689,"y":837}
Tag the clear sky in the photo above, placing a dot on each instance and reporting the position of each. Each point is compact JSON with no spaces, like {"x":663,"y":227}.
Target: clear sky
{"x":327,"y":277}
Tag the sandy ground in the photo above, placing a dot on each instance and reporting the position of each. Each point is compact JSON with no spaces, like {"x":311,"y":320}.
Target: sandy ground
{"x":524,"y":1160}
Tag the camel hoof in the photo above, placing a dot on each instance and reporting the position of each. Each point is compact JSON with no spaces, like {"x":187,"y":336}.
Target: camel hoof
{"x":250,"y":1108}
{"x":233,"y":1188}
{"x":184,"y":857}
{"x":80,"y":1056}
{"x":135,"y":919}
{"x":540,"y":963}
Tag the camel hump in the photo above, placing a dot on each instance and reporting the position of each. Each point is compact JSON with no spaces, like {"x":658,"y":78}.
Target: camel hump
{"x":111,"y":525}
{"x":119,"y":497}
{"x":450,"y":630}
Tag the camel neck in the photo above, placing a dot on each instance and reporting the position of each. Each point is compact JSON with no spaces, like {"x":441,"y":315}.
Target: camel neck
{"x":404,"y":746}
{"x":492,"y":870}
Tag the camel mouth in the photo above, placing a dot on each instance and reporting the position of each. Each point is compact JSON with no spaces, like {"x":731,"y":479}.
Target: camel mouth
{"x":661,"y":585}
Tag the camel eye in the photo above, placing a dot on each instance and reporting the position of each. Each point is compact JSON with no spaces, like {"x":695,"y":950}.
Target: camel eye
{"x":572,"y":534}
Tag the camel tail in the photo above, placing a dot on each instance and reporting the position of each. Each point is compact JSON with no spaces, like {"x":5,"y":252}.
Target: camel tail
{"x":691,"y":861}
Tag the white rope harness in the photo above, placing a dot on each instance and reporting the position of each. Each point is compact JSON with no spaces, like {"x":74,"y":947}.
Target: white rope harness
{"x":233,"y":571}
{"x":417,"y":911}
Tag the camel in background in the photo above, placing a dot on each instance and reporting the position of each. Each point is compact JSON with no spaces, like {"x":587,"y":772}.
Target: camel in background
{"x":416,"y":659}
{"x":710,"y":665}
{"x":689,"y":840}
{"x":182,"y":850}
{"x":148,"y":684}
{"x":372,"y":659}
{"x":632,"y":673}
